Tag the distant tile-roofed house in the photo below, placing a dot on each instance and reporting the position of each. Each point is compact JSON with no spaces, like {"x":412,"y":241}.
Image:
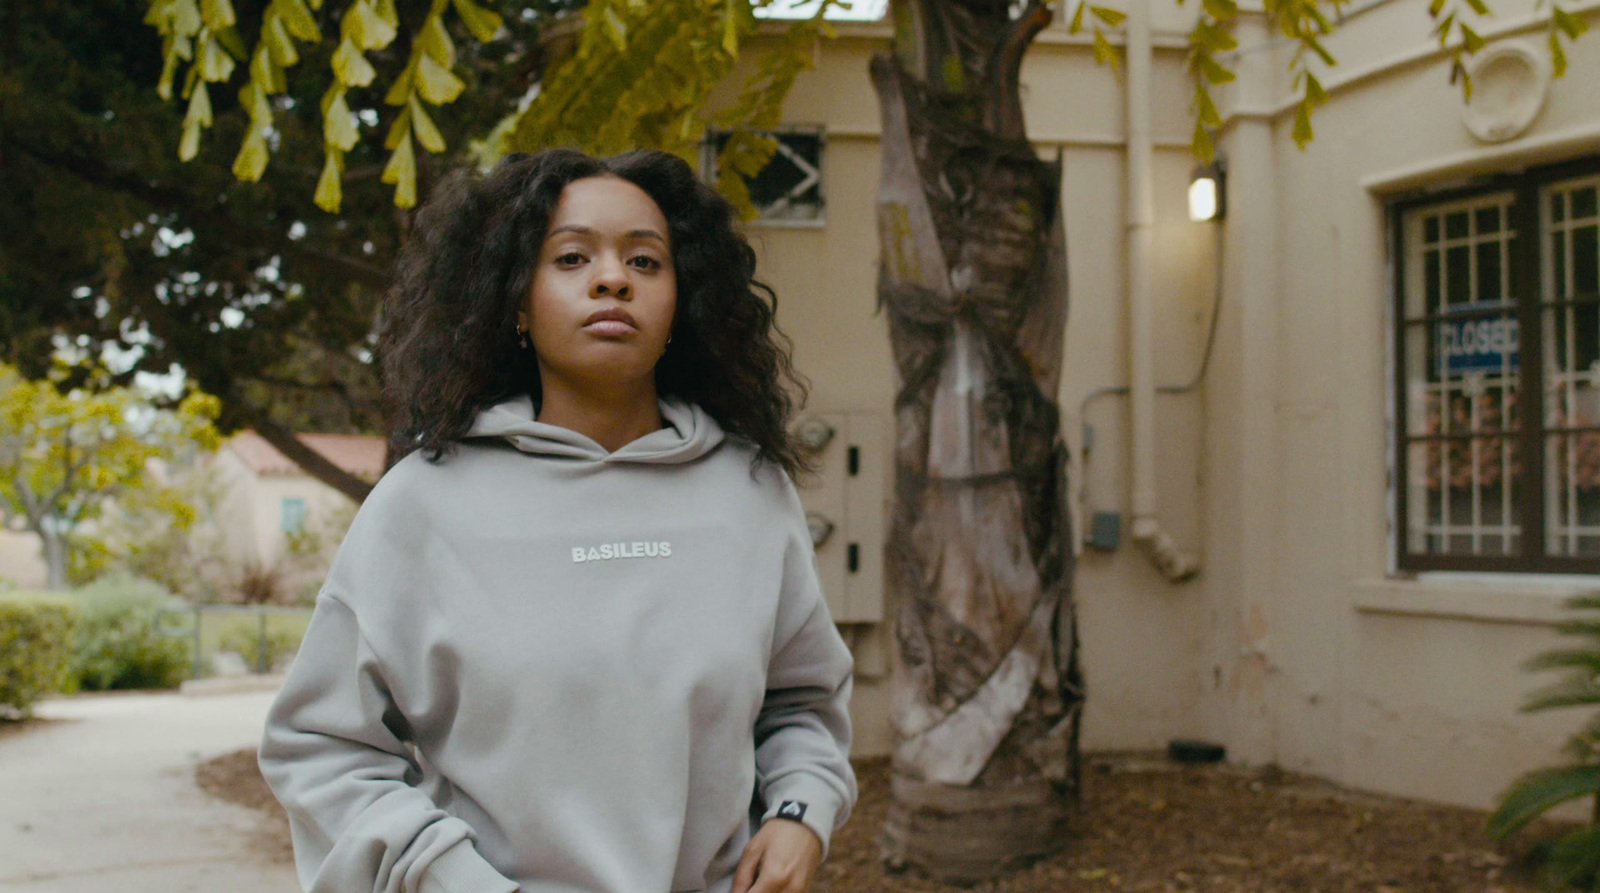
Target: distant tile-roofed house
{"x":269,"y":496}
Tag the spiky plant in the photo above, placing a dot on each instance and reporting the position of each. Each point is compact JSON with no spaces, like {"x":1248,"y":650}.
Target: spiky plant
{"x":1574,"y":858}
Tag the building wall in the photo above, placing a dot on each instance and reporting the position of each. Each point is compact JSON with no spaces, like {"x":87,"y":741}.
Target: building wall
{"x":1297,"y":644}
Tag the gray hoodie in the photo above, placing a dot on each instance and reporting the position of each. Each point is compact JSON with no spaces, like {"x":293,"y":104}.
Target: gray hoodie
{"x":538,"y":666}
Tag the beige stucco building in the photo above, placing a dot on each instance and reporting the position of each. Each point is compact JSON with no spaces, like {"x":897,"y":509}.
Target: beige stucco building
{"x":1377,"y":551}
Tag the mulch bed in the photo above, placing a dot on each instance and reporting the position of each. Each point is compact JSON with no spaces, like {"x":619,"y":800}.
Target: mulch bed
{"x":1152,"y":825}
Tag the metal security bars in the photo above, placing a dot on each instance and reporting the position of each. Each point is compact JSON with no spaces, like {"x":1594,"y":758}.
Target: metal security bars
{"x":1499,"y":433}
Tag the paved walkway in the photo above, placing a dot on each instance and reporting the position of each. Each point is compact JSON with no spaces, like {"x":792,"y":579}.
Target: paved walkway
{"x":102,"y":798}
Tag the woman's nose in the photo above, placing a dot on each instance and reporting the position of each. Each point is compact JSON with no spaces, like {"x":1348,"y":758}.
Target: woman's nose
{"x":610,"y":280}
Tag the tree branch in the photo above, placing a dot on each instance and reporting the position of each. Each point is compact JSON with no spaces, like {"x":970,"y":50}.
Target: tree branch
{"x":309,"y":460}
{"x":96,"y":172}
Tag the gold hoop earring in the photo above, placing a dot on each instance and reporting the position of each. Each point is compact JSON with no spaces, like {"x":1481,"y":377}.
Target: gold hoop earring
{"x":524,"y":340}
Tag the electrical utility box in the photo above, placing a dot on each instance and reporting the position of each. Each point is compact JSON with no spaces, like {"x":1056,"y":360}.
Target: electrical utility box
{"x":846,"y":507}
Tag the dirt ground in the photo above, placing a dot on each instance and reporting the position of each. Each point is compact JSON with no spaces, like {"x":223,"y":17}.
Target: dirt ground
{"x":1152,"y":825}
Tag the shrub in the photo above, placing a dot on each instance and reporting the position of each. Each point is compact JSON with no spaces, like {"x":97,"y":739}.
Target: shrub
{"x":244,"y":639}
{"x":118,"y":645}
{"x":1574,"y":858}
{"x":36,"y":636}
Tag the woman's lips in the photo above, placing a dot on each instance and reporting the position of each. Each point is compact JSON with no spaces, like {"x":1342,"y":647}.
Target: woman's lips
{"x":612,"y":322}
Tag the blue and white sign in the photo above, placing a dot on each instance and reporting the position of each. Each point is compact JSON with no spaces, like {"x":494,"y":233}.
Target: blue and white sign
{"x":1486,"y":344}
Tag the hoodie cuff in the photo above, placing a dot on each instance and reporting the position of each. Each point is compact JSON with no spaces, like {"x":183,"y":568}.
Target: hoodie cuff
{"x":807,"y":800}
{"x":461,"y":870}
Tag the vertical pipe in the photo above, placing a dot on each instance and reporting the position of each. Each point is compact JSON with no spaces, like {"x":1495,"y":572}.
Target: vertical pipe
{"x":1141,"y":220}
{"x":1158,"y":545}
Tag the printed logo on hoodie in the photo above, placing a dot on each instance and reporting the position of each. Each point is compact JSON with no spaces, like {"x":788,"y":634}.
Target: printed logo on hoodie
{"x":610,"y":551}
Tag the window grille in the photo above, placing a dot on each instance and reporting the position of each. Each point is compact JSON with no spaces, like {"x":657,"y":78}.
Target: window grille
{"x":1499,"y":433}
{"x":789,"y":188}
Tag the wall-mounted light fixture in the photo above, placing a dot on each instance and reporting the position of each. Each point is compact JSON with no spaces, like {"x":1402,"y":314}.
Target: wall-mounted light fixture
{"x":1207,"y":192}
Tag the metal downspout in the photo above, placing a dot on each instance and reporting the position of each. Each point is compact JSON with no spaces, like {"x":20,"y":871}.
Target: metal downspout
{"x":1158,"y":545}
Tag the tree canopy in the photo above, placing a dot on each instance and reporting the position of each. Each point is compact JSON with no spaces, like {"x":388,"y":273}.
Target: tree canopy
{"x":63,"y":456}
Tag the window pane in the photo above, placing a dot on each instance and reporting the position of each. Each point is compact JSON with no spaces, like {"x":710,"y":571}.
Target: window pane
{"x":1572,"y":344}
{"x":1455,"y":225}
{"x":1583,"y":202}
{"x":1585,"y":261}
{"x":1461,"y":496}
{"x":1558,"y":267}
{"x":1489,"y":284}
{"x":1572,"y":494}
{"x":1433,"y":282}
{"x":1458,"y":275}
{"x":1558,"y":207}
{"x":1430,"y":228}
{"x":1488,"y":220}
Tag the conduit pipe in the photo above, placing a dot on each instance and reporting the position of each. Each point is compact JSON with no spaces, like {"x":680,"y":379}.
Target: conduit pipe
{"x":1158,"y":545}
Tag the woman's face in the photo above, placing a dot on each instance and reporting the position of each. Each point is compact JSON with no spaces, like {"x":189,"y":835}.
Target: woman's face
{"x":604,"y":291}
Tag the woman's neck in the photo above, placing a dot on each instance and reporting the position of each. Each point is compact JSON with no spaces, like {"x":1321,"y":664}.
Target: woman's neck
{"x":612,"y":420}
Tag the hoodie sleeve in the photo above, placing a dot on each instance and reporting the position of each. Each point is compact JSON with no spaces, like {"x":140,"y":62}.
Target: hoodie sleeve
{"x":335,"y":754}
{"x":803,"y":731}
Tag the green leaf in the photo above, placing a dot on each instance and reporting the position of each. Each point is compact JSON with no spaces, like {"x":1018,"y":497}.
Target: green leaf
{"x":427,"y":132}
{"x":1571,"y":25}
{"x":1302,"y":124}
{"x":1112,"y":17}
{"x":1558,"y":57}
{"x":251,"y":161}
{"x":1479,"y":7}
{"x":616,"y":29}
{"x":1221,"y":10}
{"x":368,"y":29}
{"x":436,"y":43}
{"x":435,"y":82}
{"x":1435,"y":7}
{"x":254,"y":101}
{"x":1574,"y":859}
{"x":1076,"y":25}
{"x":1206,"y":109}
{"x":399,"y":130}
{"x":1314,"y":90}
{"x":1321,"y":51}
{"x":1201,"y":144}
{"x":1574,"y":691}
{"x":350,"y":67}
{"x":186,"y":18}
{"x":330,"y":190}
{"x":275,"y":36}
{"x":199,"y":111}
{"x":1213,"y":70}
{"x":232,"y":42}
{"x":1471,"y":39}
{"x":298,"y":19}
{"x":400,"y":91}
{"x":1104,"y":52}
{"x":401,"y":171}
{"x":215,"y":64}
{"x":1443,"y":29}
{"x":1535,"y":793}
{"x":217,"y":14}
{"x":481,"y":22}
{"x":339,"y":126}
{"x":189,"y":142}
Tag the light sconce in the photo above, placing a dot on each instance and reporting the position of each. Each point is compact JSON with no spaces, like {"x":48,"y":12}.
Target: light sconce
{"x":813,"y":434}
{"x":1207,"y":192}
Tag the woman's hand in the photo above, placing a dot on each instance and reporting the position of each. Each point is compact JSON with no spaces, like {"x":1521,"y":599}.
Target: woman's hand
{"x":780,"y":858}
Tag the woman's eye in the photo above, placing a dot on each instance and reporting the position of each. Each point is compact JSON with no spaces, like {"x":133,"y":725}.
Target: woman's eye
{"x":645,"y":262}
{"x":571,"y":258}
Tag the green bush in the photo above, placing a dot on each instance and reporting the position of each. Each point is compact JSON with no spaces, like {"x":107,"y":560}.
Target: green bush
{"x":36,"y":636}
{"x":244,"y":639}
{"x":118,"y":645}
{"x":1573,"y":860}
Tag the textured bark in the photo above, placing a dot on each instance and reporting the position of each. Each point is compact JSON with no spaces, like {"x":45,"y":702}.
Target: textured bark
{"x":987,"y":692}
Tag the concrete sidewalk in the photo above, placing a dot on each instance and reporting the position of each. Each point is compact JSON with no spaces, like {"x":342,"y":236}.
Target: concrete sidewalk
{"x":101,"y":797}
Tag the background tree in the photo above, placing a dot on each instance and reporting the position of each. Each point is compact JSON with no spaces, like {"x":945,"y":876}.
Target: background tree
{"x":65,"y":456}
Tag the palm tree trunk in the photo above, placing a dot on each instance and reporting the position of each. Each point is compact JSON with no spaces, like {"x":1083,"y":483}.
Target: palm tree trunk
{"x":987,"y":692}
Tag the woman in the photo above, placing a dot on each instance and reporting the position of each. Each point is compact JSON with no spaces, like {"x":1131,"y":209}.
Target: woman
{"x":574,"y":641}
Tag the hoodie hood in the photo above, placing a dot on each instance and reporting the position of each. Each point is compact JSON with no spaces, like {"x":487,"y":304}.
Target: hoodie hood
{"x":688,"y":434}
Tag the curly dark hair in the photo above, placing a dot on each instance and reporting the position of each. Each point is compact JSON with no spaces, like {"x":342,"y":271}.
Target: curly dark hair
{"x":449,"y":342}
